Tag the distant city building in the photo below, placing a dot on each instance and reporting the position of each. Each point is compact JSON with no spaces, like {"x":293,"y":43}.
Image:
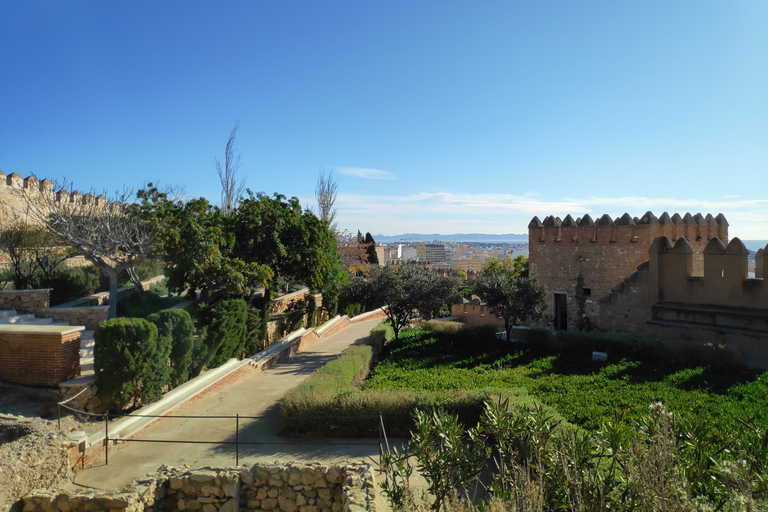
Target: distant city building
{"x":434,"y":253}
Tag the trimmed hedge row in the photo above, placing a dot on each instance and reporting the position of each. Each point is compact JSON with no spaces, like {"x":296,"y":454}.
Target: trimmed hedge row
{"x":331,"y":399}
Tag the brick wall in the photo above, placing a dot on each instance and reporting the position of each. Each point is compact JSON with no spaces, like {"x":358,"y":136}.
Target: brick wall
{"x":584,"y":259}
{"x":38,"y":356}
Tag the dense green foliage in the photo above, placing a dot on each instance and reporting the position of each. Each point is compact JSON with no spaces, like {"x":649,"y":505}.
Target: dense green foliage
{"x":143,"y":304}
{"x":174,"y":341}
{"x":559,"y":371}
{"x":125,"y":361}
{"x":228,"y":254}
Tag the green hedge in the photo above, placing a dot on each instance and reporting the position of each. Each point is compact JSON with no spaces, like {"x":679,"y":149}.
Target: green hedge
{"x":125,"y":362}
{"x":224,"y":333}
{"x":174,"y":342}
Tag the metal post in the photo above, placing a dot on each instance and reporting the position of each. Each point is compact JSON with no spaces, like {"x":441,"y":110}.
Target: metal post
{"x":381,"y":422}
{"x":106,"y":439}
{"x":237,"y":439}
{"x":58,"y":407}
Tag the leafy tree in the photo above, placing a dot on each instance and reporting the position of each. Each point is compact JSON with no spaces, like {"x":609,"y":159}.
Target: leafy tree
{"x":511,"y":291}
{"x":196,"y":243}
{"x":405,"y":291}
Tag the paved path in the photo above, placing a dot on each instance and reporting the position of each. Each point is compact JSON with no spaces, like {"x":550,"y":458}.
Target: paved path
{"x":256,"y":394}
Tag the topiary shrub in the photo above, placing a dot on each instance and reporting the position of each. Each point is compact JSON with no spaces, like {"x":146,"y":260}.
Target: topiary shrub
{"x":311,"y":311}
{"x":224,"y":334}
{"x":174,"y":344}
{"x":294,"y":316}
{"x":124,"y":358}
{"x":253,"y":339}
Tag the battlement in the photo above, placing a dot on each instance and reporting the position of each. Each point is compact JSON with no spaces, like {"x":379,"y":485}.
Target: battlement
{"x":724,"y":281}
{"x":12,"y":204}
{"x":696,"y":228}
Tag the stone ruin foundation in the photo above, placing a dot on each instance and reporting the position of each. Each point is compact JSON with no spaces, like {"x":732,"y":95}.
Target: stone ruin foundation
{"x":264,"y":487}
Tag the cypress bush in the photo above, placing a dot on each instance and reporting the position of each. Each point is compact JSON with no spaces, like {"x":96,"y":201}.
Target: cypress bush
{"x":224,"y":336}
{"x":174,"y":341}
{"x":124,"y":359}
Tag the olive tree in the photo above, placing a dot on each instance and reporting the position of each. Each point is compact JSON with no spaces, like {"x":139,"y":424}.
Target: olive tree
{"x":405,"y":291}
{"x":511,"y":291}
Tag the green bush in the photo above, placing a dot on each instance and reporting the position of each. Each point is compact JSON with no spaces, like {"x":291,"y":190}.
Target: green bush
{"x":311,"y":311}
{"x":225,"y":327}
{"x":253,"y":336}
{"x":352,"y":310}
{"x":125,"y":356}
{"x":294,"y":316}
{"x":68,"y":284}
{"x":174,"y":342}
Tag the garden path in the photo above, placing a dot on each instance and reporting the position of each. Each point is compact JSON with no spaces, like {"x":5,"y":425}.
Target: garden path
{"x":257,"y":394}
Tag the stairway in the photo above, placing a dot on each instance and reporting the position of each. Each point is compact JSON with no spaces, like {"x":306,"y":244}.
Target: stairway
{"x":86,"y":353}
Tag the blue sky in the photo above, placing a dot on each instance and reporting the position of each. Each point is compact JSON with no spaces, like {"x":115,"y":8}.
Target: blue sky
{"x":442,"y":116}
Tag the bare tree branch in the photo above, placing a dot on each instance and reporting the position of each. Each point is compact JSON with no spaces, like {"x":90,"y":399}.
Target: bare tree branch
{"x":232,"y":186}
{"x":104,"y":230}
{"x":325,"y":193}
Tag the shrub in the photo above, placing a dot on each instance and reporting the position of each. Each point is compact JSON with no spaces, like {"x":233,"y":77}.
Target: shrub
{"x":311,"y":311}
{"x":435,"y":326}
{"x":174,"y":342}
{"x":67,"y":284}
{"x":124,"y":359}
{"x":352,"y":310}
{"x":253,"y":335}
{"x":224,"y":334}
{"x":294,"y":316}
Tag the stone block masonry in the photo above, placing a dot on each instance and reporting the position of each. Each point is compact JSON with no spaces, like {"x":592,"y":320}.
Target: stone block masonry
{"x":294,"y":487}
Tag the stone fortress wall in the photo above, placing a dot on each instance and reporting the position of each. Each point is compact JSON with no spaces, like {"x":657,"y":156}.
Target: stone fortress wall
{"x":583,"y":259}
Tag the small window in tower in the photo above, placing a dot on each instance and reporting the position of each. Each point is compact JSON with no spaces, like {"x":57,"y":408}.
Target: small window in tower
{"x":587,"y":292}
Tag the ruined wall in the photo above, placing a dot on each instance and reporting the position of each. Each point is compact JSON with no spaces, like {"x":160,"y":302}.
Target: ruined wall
{"x":264,"y":487}
{"x":584,"y":259}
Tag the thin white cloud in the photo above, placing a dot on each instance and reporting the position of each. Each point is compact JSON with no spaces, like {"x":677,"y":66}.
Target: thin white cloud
{"x":366,"y":173}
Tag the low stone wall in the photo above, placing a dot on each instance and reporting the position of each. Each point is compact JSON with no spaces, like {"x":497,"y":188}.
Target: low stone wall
{"x":291,"y":487}
{"x":279,"y":305}
{"x":90,"y":317}
{"x":25,"y":301}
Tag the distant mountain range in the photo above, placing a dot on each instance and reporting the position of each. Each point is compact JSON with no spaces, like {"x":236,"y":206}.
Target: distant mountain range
{"x":461,"y":237}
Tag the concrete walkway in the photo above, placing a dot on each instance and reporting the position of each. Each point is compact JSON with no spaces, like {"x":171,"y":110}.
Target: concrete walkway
{"x":257,"y":394}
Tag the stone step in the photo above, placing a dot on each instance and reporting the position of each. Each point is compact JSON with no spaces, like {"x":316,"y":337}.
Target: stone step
{"x":17,"y":319}
{"x":7,"y":312}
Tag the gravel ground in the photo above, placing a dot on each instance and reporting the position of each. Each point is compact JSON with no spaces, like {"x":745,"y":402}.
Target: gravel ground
{"x":32,"y":448}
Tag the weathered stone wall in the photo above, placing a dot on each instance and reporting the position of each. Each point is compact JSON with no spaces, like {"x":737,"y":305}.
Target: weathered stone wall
{"x":25,"y":301}
{"x":264,"y":487}
{"x":90,"y":317}
{"x":583,"y":259}
{"x":476,"y":314}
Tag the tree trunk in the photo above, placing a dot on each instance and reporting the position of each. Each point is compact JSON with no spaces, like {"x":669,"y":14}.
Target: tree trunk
{"x":113,"y":276}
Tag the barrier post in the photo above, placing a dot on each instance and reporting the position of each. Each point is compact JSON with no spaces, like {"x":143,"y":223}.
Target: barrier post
{"x":106,"y":439}
{"x":237,"y":439}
